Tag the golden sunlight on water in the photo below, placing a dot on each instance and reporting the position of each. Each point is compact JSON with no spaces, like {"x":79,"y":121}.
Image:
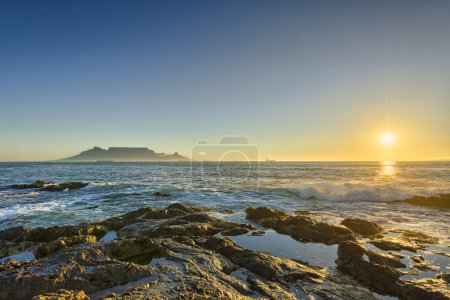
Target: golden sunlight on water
{"x":388,"y":168}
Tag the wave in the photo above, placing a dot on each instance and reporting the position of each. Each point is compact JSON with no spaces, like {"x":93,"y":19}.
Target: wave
{"x":18,"y":195}
{"x":25,"y":209}
{"x":354,"y":191}
{"x":47,"y":206}
{"x":101,"y":183}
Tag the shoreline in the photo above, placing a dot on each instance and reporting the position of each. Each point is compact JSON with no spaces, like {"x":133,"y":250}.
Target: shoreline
{"x":149,"y":242}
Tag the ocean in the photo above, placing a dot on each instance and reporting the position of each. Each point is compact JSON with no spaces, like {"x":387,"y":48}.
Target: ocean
{"x":332,"y":189}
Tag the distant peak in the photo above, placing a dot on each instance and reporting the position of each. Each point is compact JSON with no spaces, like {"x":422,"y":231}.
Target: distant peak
{"x":128,"y":148}
{"x":123,"y":154}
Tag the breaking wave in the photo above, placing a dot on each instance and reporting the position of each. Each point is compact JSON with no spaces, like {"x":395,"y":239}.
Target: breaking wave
{"x":355,"y":191}
{"x":18,"y":195}
{"x":24,"y":209}
{"x":99,"y":183}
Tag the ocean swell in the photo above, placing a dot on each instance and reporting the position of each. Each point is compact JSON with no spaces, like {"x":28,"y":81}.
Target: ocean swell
{"x":353,"y":191}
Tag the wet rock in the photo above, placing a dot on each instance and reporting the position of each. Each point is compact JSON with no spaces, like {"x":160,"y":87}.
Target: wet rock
{"x":272,"y":290}
{"x":47,"y":240}
{"x":187,"y":229}
{"x":416,"y":237}
{"x":162,"y":195}
{"x":63,"y":295}
{"x":385,"y":259}
{"x":442,"y":253}
{"x":139,"y":250}
{"x":258,"y":233}
{"x":51,"y":186}
{"x":175,"y":252}
{"x":260,"y":213}
{"x":189,"y":218}
{"x":301,"y":228}
{"x":266,"y":265}
{"x":76,"y":268}
{"x":425,"y":266}
{"x":389,"y":243}
{"x":140,"y":228}
{"x":424,"y":289}
{"x":147,"y":213}
{"x":444,"y":276}
{"x":198,"y":274}
{"x":315,"y":231}
{"x":181,"y":221}
{"x":7,"y":248}
{"x":413,"y":271}
{"x":173,"y":210}
{"x":441,"y":201}
{"x":63,"y":242}
{"x":14,"y":234}
{"x":189,"y":271}
{"x":364,"y":227}
{"x":65,"y":186}
{"x":116,"y":223}
{"x":303,"y":212}
{"x":35,"y":185}
{"x":228,"y":211}
{"x":22,"y":238}
{"x":185,"y":208}
{"x":381,"y":278}
{"x":52,"y":233}
{"x":417,"y":258}
{"x":10,"y":264}
{"x":398,"y":255}
{"x":204,"y":277}
{"x":235,"y":231}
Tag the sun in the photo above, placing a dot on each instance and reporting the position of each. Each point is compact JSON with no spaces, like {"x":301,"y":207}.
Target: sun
{"x":387,"y":139}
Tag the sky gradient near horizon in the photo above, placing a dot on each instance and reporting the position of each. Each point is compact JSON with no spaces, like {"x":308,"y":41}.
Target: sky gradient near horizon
{"x":318,"y":80}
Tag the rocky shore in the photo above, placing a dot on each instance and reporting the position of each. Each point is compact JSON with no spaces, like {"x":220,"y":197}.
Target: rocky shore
{"x":50,"y":186}
{"x":185,"y":252}
{"x":440,"y":201}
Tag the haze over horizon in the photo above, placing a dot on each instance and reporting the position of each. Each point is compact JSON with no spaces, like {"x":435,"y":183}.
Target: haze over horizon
{"x":303,"y":81}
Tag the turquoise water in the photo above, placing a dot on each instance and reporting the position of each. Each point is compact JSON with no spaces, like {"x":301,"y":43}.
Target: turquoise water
{"x":332,"y":189}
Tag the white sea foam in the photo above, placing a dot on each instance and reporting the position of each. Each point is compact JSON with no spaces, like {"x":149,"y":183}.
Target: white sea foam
{"x":33,"y":208}
{"x":354,"y":191}
{"x":23,"y":209}
{"x":18,"y":195}
{"x":98,"y":183}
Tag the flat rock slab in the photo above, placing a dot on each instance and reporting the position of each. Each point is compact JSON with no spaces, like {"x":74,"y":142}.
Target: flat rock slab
{"x":301,"y":228}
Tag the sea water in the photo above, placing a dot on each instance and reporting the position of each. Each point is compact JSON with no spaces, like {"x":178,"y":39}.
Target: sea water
{"x":330,"y":190}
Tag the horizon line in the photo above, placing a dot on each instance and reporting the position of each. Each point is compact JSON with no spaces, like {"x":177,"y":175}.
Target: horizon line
{"x":191,"y":161}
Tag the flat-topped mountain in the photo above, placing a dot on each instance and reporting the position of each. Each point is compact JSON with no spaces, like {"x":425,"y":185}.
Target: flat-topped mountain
{"x":122,"y":154}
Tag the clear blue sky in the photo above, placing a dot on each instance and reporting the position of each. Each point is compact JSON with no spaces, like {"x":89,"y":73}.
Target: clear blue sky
{"x":303,"y":80}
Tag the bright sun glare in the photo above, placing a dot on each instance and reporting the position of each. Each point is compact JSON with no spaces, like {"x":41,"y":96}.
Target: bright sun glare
{"x":387,"y":139}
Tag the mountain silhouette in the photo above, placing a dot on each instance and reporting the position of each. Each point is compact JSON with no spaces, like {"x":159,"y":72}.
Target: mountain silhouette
{"x":128,"y":154}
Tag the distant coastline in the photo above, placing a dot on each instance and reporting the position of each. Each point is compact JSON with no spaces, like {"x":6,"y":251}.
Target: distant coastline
{"x":122,"y":154}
